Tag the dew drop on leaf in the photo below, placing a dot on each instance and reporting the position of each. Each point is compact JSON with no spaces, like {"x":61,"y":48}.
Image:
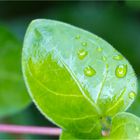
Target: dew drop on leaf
{"x":114,"y":50}
{"x":89,"y":71}
{"x":118,"y":57}
{"x":99,"y":49}
{"x":104,"y":58}
{"x":132,"y":95}
{"x":37,"y":33}
{"x":107,"y":66}
{"x":77,"y":37}
{"x":121,"y":71}
{"x":84,"y":43}
{"x":82,"y":54}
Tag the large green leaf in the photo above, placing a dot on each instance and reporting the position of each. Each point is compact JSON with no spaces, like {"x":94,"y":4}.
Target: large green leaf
{"x":74,"y":77}
{"x":13,"y":94}
{"x":125,"y":126}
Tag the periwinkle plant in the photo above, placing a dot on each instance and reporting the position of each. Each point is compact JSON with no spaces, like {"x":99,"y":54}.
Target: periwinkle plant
{"x":79,"y":81}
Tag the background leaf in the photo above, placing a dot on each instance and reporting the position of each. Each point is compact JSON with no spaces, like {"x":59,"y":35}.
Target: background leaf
{"x":13,"y":94}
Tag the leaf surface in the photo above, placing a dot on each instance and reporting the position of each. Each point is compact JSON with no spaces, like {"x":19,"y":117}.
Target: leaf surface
{"x":75,"y":77}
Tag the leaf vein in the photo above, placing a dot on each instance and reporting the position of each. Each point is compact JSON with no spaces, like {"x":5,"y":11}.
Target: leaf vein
{"x":49,"y":90}
{"x":103,"y":82}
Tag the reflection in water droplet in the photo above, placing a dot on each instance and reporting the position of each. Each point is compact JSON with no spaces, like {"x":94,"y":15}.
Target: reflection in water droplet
{"x":104,"y":58}
{"x":84,"y":43}
{"x":118,"y":57}
{"x":99,"y":49}
{"x":82,"y":54}
{"x":121,"y":71}
{"x":132,"y":95}
{"x":89,"y":71}
{"x":77,"y":37}
{"x":105,"y":133}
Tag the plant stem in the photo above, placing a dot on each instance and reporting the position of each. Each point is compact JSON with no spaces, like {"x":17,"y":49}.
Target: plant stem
{"x":29,"y":130}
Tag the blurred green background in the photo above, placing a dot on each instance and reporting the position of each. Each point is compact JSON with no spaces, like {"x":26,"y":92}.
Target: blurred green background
{"x":118,"y":22}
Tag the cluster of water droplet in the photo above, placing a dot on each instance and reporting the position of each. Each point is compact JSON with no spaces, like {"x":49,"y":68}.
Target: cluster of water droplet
{"x":82,"y":53}
{"x":89,"y":71}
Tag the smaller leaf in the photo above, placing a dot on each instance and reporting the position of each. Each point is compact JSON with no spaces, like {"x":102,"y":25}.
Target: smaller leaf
{"x":125,"y":126}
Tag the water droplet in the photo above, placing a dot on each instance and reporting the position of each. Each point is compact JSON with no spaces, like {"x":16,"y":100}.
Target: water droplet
{"x":105,"y":133}
{"x":133,"y":84}
{"x":99,"y":49}
{"x":114,"y":50}
{"x":104,"y":58}
{"x":128,"y":80}
{"x":84,"y":43}
{"x":107,"y":66}
{"x":132,"y":95}
{"x":82,"y":54}
{"x":77,"y":37}
{"x":118,"y":57}
{"x":37,"y":33}
{"x":89,"y":71}
{"x":121,"y":71}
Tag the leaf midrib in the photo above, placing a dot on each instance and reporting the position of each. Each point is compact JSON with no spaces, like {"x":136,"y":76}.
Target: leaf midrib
{"x":80,"y":87}
{"x":47,"y":89}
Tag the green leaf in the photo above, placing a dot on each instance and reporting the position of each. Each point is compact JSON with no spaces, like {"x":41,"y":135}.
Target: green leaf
{"x":13,"y":94}
{"x":125,"y":126}
{"x":74,"y":77}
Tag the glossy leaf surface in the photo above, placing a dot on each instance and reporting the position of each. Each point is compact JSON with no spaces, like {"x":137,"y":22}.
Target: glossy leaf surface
{"x":75,"y":77}
{"x":13,"y":94}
